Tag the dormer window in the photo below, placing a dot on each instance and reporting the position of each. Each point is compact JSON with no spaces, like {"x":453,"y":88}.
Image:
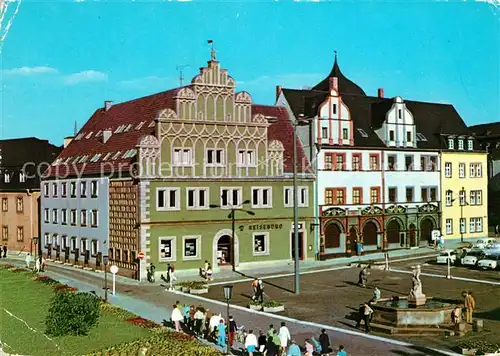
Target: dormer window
{"x":362,"y":133}
{"x":22,"y":177}
{"x":451,"y":144}
{"x":334,"y":109}
{"x":345,"y":134}
{"x":400,"y":113}
{"x":324,"y":132}
{"x":460,"y":144}
{"x":408,"y":136}
{"x":470,"y":145}
{"x":6,"y":178}
{"x":391,"y":135}
{"x":421,"y":137}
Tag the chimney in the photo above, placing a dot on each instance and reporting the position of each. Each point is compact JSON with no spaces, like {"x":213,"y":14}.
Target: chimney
{"x":107,"y":105}
{"x":67,"y":141}
{"x":381,"y":93}
{"x":278,"y":91}
{"x":334,"y":83}
{"x":106,"y":135}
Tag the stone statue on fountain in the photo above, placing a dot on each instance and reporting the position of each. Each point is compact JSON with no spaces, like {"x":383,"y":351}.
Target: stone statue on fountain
{"x":416,"y":296}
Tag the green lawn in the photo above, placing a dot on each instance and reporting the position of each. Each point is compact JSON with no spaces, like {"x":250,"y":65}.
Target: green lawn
{"x":22,"y":331}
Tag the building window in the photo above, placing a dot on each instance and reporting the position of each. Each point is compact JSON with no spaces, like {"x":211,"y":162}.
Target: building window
{"x":461,"y":170}
{"x":472,"y":225}
{"x":475,"y":197}
{"x":64,"y":188}
{"x":479,"y":170}
{"x":339,"y":161}
{"x":55,"y":240}
{"x":340,"y":196}
{"x":408,"y":136}
{"x":20,"y":204}
{"x":302,"y":195}
{"x":167,"y":248}
{"x":64,"y":242}
{"x":357,"y":195}
{"x":182,"y":157}
{"x":479,"y":224}
{"x":72,"y":189}
{"x":6,"y":178}
{"x":334,"y":109}
{"x":246,"y":158}
{"x":54,"y":189}
{"x":433,"y":193}
{"x":409,"y":194}
{"x":393,"y":195}
{"x":167,"y":199}
{"x":429,"y":194}
{"x":374,"y":195}
{"x":83,"y":217}
{"x":197,"y":198}
{"x":22,"y":177}
{"x":391,"y":135}
{"x":191,"y":247}
{"x":94,"y":247}
{"x":409,"y":163}
{"x":46,"y":189}
{"x":83,"y":246}
{"x":5,"y":233}
{"x":83,"y":189}
{"x":448,"y":169}
{"x":328,"y":161}
{"x":324,"y":132}
{"x":460,"y":144}
{"x":64,"y":216}
{"x":475,"y":170}
{"x":94,"y":218}
{"x":374,"y":162}
{"x":451,"y":144}
{"x":449,"y":198}
{"x":46,"y":215}
{"x":356,"y":162}
{"x":54,"y":216}
{"x":400,"y":115}
{"x":125,"y":256}
{"x":329,"y":196}
{"x":118,"y":255}
{"x":260,"y":243}
{"x":449,"y":226}
{"x":345,"y":134}
{"x":46,"y":239}
{"x":463,"y":230}
{"x":94,"y":187}
{"x":391,"y":162}
{"x":73,"y":217}
{"x":428,"y":163}
{"x":470,"y":145}
{"x":5,"y":204}
{"x":462,"y":197}
{"x":74,"y":244}
{"x":262,"y":197}
{"x":215,"y":157}
{"x":472,"y":170}
{"x":231,"y":197}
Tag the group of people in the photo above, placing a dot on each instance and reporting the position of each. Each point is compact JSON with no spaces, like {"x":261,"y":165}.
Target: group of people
{"x":205,"y":324}
{"x":458,"y":314}
{"x":258,"y":290}
{"x":39,"y":265}
{"x":4,"y":250}
{"x":206,"y":272}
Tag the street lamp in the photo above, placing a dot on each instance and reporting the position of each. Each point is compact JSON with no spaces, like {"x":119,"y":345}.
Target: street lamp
{"x":106,"y":261}
{"x":300,"y":121}
{"x":462,"y":202}
{"x":233,"y":223}
{"x":228,"y":290}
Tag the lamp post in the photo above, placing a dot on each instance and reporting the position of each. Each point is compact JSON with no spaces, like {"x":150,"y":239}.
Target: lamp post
{"x":228,"y":290}
{"x":232,"y":216}
{"x":300,"y":121}
{"x":106,"y":261}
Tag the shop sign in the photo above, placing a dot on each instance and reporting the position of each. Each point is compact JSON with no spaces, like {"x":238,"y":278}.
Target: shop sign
{"x":261,"y":227}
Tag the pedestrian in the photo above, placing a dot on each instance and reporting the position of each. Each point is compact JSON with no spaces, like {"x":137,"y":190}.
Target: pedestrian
{"x":270,"y":331}
{"x":363,"y":276}
{"x":28,"y":261}
{"x":367,"y":314}
{"x":185,"y":313}
{"x":341,"y":351}
{"x":214,"y":322}
{"x":209,"y":272}
{"x":260,"y":291}
{"x":294,"y":349}
{"x":233,"y":328}
{"x":456,"y":317}
{"x":262,"y":341}
{"x":37,"y":265}
{"x":470,"y":305}
{"x":44,"y":263}
{"x":255,"y":283}
{"x":324,"y":341}
{"x":192,"y":311}
{"x":271,"y":348}
{"x":176,"y":318}
{"x":171,"y":278}
{"x":376,"y":296}
{"x":284,"y":335}
{"x":4,"y":250}
{"x":221,"y":338}
{"x":251,"y":343}
{"x":309,"y":348}
{"x":198,"y":321}
{"x":441,"y":241}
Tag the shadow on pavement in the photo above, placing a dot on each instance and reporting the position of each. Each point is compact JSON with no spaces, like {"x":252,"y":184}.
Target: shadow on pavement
{"x":493,"y":314}
{"x":267,"y":282}
{"x":420,"y":351}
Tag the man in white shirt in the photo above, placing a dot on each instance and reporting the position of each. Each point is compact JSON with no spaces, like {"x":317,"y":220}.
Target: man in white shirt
{"x":251,"y":343}
{"x":284,"y":335}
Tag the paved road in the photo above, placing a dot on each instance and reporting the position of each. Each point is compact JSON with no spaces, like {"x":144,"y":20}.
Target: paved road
{"x":154,"y":303}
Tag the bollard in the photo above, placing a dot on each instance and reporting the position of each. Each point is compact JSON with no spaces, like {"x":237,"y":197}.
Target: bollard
{"x":477,"y":325}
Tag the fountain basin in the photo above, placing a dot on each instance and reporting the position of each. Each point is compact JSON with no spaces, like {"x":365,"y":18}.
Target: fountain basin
{"x":435,"y":312}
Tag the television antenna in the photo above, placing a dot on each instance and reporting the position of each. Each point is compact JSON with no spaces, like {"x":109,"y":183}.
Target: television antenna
{"x":180,"y":69}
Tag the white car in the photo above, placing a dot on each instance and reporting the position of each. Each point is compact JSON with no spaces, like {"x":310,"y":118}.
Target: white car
{"x":486,"y":243}
{"x":490,"y":261}
{"x":446,"y":255}
{"x":473,"y":257}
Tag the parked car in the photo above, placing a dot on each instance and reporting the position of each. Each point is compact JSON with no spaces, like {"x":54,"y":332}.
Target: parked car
{"x":446,"y":255}
{"x":473,"y":257}
{"x":490,"y":261}
{"x":484,"y":243}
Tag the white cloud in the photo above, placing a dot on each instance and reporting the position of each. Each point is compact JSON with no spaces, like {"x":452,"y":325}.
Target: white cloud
{"x":151,"y":81}
{"x":292,"y":80}
{"x":30,"y":71}
{"x":85,"y":76}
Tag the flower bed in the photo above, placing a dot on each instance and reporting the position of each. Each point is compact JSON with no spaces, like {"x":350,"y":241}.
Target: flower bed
{"x":45,"y":280}
{"x":255,"y":305}
{"x":195,"y":287}
{"x":64,"y":288}
{"x":6,"y":266}
{"x":273,"y":307}
{"x":478,"y":347}
{"x":143,"y":323}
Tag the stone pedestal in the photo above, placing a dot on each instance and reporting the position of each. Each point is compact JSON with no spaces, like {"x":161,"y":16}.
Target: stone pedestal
{"x":477,"y":325}
{"x":417,"y":300}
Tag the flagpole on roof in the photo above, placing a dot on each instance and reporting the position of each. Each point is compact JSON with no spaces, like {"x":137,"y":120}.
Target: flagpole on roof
{"x":213,"y":55}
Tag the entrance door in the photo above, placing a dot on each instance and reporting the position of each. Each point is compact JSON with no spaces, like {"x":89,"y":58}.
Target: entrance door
{"x":301,"y":243}
{"x":224,"y":250}
{"x":370,"y":234}
{"x":393,"y":232}
{"x":332,"y":236}
{"x":426,"y":227}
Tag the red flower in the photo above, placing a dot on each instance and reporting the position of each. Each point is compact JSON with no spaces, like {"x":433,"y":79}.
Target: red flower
{"x":143,"y":323}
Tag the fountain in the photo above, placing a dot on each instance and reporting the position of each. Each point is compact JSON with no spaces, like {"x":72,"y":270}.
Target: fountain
{"x":415,"y":314}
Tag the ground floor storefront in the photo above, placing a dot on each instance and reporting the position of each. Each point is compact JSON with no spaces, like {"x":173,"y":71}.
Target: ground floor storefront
{"x":375,"y":228}
{"x":187,"y":245}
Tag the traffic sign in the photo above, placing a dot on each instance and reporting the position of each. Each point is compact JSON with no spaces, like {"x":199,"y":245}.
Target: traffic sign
{"x":114,"y":269}
{"x":141,"y":255}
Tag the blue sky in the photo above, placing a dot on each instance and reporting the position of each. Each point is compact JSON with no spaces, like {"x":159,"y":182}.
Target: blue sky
{"x":61,"y":60}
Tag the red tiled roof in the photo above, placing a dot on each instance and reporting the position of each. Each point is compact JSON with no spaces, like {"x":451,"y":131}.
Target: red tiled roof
{"x":145,"y":110}
{"x":282,"y":131}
